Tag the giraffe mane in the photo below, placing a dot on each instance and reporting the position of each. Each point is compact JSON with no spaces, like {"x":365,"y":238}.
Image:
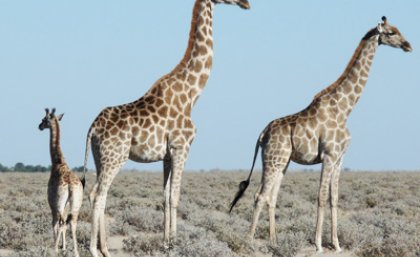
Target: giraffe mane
{"x":351,"y":63}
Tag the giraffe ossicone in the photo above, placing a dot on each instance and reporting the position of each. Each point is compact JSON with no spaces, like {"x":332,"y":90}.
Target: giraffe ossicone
{"x":156,"y":127}
{"x":317,"y":134}
{"x":65,"y":189}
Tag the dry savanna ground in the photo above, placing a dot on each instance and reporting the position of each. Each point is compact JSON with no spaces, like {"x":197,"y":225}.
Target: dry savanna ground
{"x":379,"y":216}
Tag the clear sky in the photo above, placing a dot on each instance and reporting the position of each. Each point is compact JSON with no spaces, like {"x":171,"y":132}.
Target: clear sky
{"x":81,"y":56}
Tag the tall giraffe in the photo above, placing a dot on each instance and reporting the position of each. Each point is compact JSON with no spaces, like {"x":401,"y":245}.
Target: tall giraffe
{"x":317,"y":134}
{"x":156,"y":127}
{"x":64,"y":187}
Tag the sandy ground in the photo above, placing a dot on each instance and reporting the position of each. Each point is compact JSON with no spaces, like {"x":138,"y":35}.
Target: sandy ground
{"x":311,"y":251}
{"x":116,"y":246}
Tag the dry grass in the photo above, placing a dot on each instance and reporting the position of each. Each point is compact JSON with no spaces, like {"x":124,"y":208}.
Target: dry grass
{"x":379,"y":215}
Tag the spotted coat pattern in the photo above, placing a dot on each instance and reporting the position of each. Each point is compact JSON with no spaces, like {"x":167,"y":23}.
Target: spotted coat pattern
{"x":318,"y":134}
{"x":64,"y":187}
{"x":156,"y":127}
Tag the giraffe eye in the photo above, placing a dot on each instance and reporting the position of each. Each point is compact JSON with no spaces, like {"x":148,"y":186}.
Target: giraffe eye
{"x":390,"y":33}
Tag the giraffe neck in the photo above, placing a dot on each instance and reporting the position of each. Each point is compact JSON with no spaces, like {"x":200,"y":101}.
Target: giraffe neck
{"x":57,"y":157}
{"x":188,"y":79}
{"x":349,"y":87}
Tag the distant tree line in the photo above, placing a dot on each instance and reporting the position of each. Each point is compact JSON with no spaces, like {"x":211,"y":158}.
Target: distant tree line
{"x":20,"y":167}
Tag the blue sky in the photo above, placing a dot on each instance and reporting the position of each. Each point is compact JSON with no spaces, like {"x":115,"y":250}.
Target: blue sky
{"x":81,"y":56}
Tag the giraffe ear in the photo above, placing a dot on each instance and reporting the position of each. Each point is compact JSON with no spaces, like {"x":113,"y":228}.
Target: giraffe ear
{"x":59,"y":117}
{"x":380,"y":28}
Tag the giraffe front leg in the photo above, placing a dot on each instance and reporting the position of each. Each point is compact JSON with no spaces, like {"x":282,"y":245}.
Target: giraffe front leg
{"x":55,"y":231}
{"x":333,"y":203}
{"x":324,"y":187}
{"x":178,"y":158}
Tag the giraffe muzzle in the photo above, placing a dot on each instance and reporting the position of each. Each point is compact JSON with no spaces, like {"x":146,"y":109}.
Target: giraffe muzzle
{"x":406,"y":47}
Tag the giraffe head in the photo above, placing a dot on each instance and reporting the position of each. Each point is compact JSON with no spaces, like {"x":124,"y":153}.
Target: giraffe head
{"x":244,"y":4}
{"x":49,"y":117}
{"x":391,"y":36}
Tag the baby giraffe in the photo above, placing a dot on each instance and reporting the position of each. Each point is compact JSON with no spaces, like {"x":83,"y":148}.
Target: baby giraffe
{"x":318,"y":134}
{"x":64,"y":187}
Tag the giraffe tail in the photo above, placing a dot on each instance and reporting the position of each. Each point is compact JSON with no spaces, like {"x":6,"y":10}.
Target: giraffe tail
{"x":244,"y":184}
{"x":88,"y":141}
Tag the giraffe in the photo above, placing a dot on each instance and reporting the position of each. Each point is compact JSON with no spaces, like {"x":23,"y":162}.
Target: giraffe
{"x":156,"y":127}
{"x":317,"y":134}
{"x":64,"y":187}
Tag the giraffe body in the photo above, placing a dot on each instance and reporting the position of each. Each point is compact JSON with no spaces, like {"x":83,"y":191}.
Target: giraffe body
{"x":65,"y":189}
{"x":317,"y":134}
{"x":156,"y":127}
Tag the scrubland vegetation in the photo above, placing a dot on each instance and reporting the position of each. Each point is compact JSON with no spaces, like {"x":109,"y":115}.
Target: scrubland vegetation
{"x":379,"y":215}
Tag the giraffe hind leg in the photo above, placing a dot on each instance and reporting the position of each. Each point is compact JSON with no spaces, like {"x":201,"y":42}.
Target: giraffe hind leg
{"x":99,"y":194}
{"x":264,"y":193}
{"x":273,"y":200}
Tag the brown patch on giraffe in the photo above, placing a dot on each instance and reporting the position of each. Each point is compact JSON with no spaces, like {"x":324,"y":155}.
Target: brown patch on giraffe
{"x":159,"y":102}
{"x":183,"y":98}
{"x":198,"y":66}
{"x":209,"y":43}
{"x":172,"y":112}
{"x":163,"y":111}
{"x":363,"y":73}
{"x":171,"y":124}
{"x":322,"y":115}
{"x":209,"y":62}
{"x":122,"y":135}
{"x":200,"y":37}
{"x":177,"y":87}
{"x":155,"y":118}
{"x":203,"y":80}
{"x":192,"y":79}
{"x":343,"y":104}
{"x":147,"y":123}
{"x":143,"y":113}
{"x":202,"y":50}
{"x":332,"y":124}
{"x":143,"y":136}
{"x":358,"y":89}
{"x":114,"y":131}
{"x":150,"y":108}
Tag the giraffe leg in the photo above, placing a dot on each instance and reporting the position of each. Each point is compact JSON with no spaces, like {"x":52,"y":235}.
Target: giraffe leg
{"x":273,"y":200}
{"x":333,"y":204}
{"x":262,"y":196}
{"x":55,"y":229}
{"x":326,"y":173}
{"x":167,"y":188}
{"x":73,"y":225}
{"x":98,"y":213}
{"x":76,"y":203}
{"x":63,"y":234}
{"x":178,"y":157}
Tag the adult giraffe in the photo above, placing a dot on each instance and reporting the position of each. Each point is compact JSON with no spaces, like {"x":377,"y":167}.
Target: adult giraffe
{"x":318,"y":134}
{"x":156,"y":127}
